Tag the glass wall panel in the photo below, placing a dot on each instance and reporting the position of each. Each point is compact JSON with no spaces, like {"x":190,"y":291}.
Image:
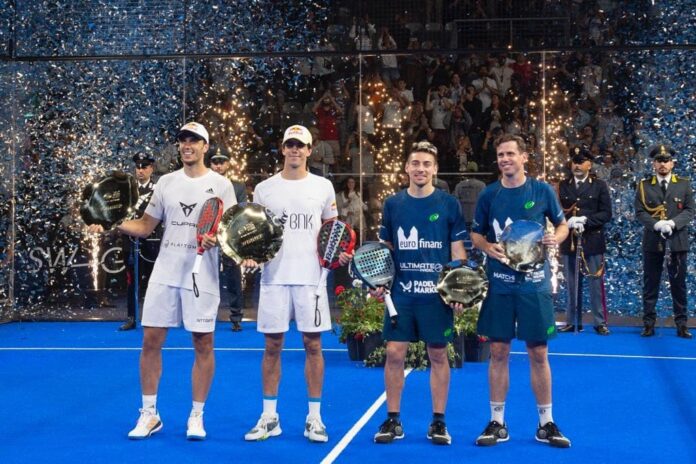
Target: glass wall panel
{"x":7,"y":150}
{"x":76,"y":122}
{"x":368,"y":79}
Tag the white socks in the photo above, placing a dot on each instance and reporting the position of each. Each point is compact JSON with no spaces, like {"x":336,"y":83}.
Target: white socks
{"x":498,"y":412}
{"x":544,"y":414}
{"x":150,"y":402}
{"x":269,"y":404}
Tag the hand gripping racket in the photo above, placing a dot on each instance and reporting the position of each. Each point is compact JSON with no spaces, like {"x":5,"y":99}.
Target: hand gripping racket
{"x":373,"y":264}
{"x":208,"y":221}
{"x":335,"y":237}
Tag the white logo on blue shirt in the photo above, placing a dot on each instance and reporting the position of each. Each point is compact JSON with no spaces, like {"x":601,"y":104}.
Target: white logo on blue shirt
{"x":412,"y":242}
{"x":499,"y":230}
{"x":406,"y":288}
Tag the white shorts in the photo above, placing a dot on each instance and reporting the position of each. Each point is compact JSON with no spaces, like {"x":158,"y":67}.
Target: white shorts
{"x":167,"y":306}
{"x":278,"y":304}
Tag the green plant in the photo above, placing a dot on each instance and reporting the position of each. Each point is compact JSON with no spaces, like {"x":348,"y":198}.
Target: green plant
{"x":416,"y":356}
{"x":465,"y":322}
{"x":359,"y":315}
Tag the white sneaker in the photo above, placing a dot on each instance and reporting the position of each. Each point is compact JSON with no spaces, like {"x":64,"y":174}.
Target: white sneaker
{"x":148,"y":423}
{"x":195,"y":430}
{"x":267,"y":426}
{"x":315,"y":430}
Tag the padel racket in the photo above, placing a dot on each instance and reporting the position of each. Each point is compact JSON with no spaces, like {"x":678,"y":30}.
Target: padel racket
{"x":335,"y":237}
{"x":374,"y":265}
{"x":208,"y":221}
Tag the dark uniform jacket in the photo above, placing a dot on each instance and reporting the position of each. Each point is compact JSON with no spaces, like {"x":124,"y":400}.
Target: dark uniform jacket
{"x":593,"y":202}
{"x":678,"y":204}
{"x":149,"y":247}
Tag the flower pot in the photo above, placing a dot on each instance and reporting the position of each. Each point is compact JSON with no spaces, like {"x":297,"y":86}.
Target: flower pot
{"x":372,"y":342}
{"x":471,"y":349}
{"x":358,"y":350}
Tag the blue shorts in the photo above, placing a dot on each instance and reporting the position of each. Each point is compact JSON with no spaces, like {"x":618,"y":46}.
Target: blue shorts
{"x":430,"y":322}
{"x":526,"y":316}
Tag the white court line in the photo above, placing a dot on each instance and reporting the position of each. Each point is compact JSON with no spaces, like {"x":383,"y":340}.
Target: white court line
{"x":618,"y":356}
{"x":116,"y":348}
{"x":524,"y":353}
{"x":348,"y":437}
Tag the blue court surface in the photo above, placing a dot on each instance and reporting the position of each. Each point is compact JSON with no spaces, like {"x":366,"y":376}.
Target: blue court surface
{"x":70,"y":393}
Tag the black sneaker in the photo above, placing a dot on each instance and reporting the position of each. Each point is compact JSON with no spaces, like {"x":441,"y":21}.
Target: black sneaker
{"x":493,"y":434}
{"x":550,"y":434}
{"x":390,"y":430}
{"x":437,"y":433}
{"x":602,"y":329}
{"x":129,"y":325}
{"x":570,"y":328}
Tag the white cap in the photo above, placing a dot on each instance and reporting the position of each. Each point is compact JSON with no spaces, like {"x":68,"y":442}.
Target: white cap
{"x":196,"y":129}
{"x":298,"y":133}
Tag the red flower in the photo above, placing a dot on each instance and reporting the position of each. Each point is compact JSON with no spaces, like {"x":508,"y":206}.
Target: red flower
{"x":358,"y":336}
{"x":340,"y":289}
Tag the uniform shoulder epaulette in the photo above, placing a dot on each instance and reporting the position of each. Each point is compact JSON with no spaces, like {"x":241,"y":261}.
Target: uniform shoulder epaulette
{"x":681,"y":179}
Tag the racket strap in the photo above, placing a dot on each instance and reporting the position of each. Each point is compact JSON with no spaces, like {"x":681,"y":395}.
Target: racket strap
{"x":317,"y":313}
{"x":195,"y":287}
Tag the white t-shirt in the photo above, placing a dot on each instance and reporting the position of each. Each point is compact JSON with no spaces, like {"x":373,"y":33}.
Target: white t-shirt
{"x":176,"y":202}
{"x":301,"y":205}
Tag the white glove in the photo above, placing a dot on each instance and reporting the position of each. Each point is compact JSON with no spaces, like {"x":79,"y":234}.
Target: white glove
{"x":579,"y":228}
{"x":659,"y":225}
{"x":666,"y":228}
{"x":577,"y":221}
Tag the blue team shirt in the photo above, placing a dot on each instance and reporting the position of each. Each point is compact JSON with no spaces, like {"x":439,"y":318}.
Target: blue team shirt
{"x":422,"y":231}
{"x":499,"y":206}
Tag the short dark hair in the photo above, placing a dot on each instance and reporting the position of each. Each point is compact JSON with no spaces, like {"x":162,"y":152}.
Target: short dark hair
{"x":521,"y":145}
{"x":423,"y":147}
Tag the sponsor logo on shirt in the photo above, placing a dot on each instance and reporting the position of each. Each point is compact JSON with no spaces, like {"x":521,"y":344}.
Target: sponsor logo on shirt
{"x":187,"y":209}
{"x":504,"y":277}
{"x":420,"y":267}
{"x":184,"y":223}
{"x":536,"y":276}
{"x":499,"y":230}
{"x":210,"y":190}
{"x":297,"y":221}
{"x":418,"y":286}
{"x":188,"y":246}
{"x":411,"y":242}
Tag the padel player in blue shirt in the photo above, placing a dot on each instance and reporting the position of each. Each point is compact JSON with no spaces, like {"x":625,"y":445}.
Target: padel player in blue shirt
{"x":518,"y":304}
{"x":425,"y":229}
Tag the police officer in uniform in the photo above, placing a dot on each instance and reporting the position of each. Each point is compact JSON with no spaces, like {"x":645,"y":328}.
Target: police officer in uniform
{"x":664,"y":204}
{"x":148,"y":248}
{"x":231,"y":276}
{"x":587,"y":207}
